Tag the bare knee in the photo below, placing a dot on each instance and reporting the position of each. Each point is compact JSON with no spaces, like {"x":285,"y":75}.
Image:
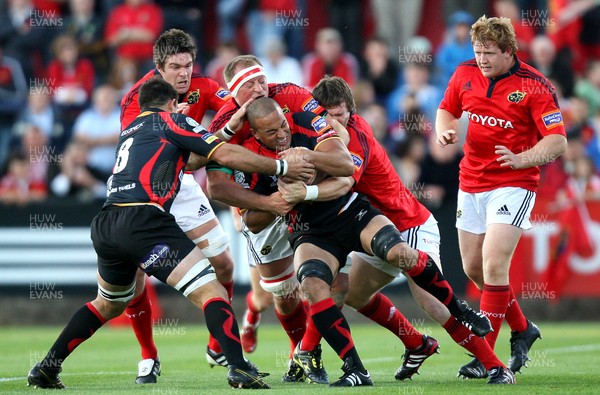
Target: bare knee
{"x":223,"y":265}
{"x":109,"y":309}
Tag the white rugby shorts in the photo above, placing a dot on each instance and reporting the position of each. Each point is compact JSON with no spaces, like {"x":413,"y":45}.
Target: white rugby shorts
{"x":506,"y":205}
{"x":191,"y":207}
{"x":425,"y":237}
{"x":270,"y":244}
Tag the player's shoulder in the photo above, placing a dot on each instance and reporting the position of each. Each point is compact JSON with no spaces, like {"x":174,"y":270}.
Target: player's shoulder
{"x":468,"y":65}
{"x":533,"y":79}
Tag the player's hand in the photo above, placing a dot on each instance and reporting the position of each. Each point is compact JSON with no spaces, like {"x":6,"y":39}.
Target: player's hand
{"x":508,"y":158}
{"x":447,"y":137}
{"x":278,"y":205}
{"x":299,"y":168}
{"x":183,"y":108}
{"x":292,"y":192}
{"x":237,"y":119}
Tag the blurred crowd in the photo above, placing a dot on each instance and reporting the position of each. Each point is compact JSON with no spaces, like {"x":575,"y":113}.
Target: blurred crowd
{"x":65,"y":64}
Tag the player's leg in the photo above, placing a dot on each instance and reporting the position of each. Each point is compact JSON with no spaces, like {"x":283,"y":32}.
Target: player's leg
{"x":195,"y":278}
{"x":257,"y":301}
{"x":365,"y":282}
{"x":110,"y":303}
{"x":382,"y":239}
{"x":316,"y":269}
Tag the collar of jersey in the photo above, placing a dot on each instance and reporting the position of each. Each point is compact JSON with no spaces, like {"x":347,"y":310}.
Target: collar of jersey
{"x":149,"y":110}
{"x":510,"y":71}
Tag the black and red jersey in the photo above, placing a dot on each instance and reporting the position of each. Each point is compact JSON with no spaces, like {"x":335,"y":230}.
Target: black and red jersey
{"x":515,"y":110}
{"x":151,"y":156}
{"x":375,"y":177}
{"x":290,"y":97}
{"x":308,"y":130}
{"x":204,"y":94}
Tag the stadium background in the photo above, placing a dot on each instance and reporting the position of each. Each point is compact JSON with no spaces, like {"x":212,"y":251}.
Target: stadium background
{"x":47,"y":265}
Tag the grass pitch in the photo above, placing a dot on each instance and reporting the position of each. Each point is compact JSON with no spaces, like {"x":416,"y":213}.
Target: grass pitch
{"x":565,"y":361}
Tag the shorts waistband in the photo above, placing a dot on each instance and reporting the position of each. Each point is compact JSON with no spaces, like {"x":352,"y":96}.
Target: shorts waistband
{"x":140,"y":204}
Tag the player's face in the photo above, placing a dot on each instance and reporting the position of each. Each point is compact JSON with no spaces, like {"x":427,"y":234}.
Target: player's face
{"x":178,"y":71}
{"x":252,"y":89}
{"x":491,"y":60}
{"x":340,"y":113}
{"x":273,"y":131}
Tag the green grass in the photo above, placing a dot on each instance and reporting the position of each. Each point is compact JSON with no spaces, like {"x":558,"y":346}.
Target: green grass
{"x":565,"y":361}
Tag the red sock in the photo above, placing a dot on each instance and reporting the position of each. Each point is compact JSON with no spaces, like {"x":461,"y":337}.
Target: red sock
{"x":253,"y":315}
{"x":514,"y":315}
{"x":139,"y":312}
{"x":312,"y":337}
{"x":381,"y":310}
{"x":494,"y":301}
{"x":213,"y":344}
{"x":475,"y":344}
{"x":294,"y":324}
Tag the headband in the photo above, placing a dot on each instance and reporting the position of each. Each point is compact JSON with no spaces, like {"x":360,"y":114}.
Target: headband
{"x":242,"y":77}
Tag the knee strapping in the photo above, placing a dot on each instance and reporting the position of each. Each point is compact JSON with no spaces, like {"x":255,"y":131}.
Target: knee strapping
{"x":117,"y":296}
{"x":315,"y":268}
{"x":386,"y":238}
{"x":200,"y":274}
{"x":281,"y":285}
{"x":218,"y":241}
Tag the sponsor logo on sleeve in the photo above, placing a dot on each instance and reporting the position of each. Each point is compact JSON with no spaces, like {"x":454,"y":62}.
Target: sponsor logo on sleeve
{"x":552,"y":119}
{"x":197,"y":128}
{"x":310,"y":105}
{"x":223,"y":93}
{"x":358,"y":161}
{"x":208,"y":137}
{"x":327,"y":135}
{"x":319,"y":125}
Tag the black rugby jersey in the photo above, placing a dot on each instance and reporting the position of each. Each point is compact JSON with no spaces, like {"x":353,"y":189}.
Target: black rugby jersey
{"x":151,"y":157}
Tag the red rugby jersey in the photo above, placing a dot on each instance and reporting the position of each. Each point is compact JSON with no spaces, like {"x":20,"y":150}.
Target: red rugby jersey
{"x":376,"y":178}
{"x":515,"y":109}
{"x":290,"y":97}
{"x":203,"y":94}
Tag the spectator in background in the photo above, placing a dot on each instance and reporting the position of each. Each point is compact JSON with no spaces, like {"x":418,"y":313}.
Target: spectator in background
{"x":123,"y":75}
{"x":456,"y":48}
{"x":416,"y":83}
{"x":13,"y":91}
{"x":397,"y":21}
{"x":280,"y":67}
{"x":71,"y":80}
{"x":377,"y":67}
{"x":17,"y":185}
{"x":588,"y":88}
{"x":329,"y":58}
{"x":131,"y":29}
{"x":34,"y":145}
{"x":90,"y":158}
{"x":523,"y":28}
{"x":27,"y":35}
{"x":543,"y":57}
{"x":408,"y":155}
{"x":229,"y":16}
{"x":345,"y":16}
{"x":185,"y":15}
{"x":39,"y":112}
{"x":376,"y":117}
{"x":224,"y":53}
{"x":87,"y":27}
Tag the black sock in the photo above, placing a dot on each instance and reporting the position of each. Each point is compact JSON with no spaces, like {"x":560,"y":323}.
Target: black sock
{"x":334,"y":328}
{"x":83,"y":324}
{"x":427,"y":275}
{"x":222,"y":324}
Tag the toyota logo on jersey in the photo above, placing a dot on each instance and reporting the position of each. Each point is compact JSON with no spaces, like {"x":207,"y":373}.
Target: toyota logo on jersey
{"x":488,"y":120}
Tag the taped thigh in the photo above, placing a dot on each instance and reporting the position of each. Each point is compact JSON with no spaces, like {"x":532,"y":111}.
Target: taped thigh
{"x":198,"y":275}
{"x":117,"y":296}
{"x":218,"y":241}
{"x":282,"y":284}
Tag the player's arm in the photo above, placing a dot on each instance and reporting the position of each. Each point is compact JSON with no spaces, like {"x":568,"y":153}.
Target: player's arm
{"x":196,"y":162}
{"x":328,"y":189}
{"x":257,"y":220}
{"x":546,"y":150}
{"x":330,"y":156}
{"x":446,"y":125}
{"x":222,"y":188}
